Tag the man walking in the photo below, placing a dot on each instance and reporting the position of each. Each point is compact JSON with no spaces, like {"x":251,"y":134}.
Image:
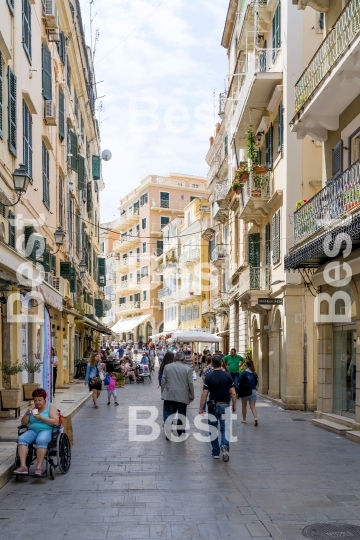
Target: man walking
{"x":232,"y":361}
{"x":221,"y":388}
{"x":177,"y":390}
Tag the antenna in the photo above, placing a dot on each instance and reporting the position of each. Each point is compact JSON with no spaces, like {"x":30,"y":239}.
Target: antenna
{"x":91,"y":21}
{"x":97,"y":34}
{"x":214,"y":106}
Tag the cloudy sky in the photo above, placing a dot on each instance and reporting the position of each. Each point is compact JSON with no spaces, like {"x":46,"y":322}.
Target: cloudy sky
{"x":161,"y":61}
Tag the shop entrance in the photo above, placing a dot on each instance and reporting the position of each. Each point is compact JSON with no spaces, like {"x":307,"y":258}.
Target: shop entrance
{"x":344,"y":370}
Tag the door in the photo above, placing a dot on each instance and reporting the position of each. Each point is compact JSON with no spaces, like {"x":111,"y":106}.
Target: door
{"x":344,"y":370}
{"x":164,"y":199}
{"x":254,"y":260}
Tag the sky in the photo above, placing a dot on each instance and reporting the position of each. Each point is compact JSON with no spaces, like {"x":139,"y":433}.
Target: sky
{"x":160,"y":62}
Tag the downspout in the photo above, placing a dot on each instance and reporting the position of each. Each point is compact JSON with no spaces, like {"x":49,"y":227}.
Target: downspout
{"x":305,"y":354}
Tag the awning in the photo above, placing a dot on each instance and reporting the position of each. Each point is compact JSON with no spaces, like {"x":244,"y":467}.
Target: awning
{"x":127,"y":325}
{"x":195,"y":336}
{"x":97,"y":326}
{"x":51,"y":296}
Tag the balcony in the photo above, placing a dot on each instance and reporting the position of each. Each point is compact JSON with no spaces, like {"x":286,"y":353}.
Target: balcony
{"x":220,"y":303}
{"x":222,"y":103}
{"x":127,"y":241}
{"x":246,"y":21}
{"x":254,"y":283}
{"x":128,"y":308}
{"x":128,"y":218}
{"x":219,"y":256}
{"x":327,"y":85}
{"x":161,"y":204}
{"x":155,"y":303}
{"x":186,"y":295}
{"x":189,"y":258}
{"x":207,"y":310}
{"x":166,"y":294}
{"x":220,"y":193}
{"x":335,"y":207}
{"x":208,"y":230}
{"x":257,"y":197}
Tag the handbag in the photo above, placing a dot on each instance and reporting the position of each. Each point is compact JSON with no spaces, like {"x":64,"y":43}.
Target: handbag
{"x":94,"y":381}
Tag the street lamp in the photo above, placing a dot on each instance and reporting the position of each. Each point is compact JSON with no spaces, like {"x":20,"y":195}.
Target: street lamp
{"x":21,"y":180}
{"x":59,"y":236}
{"x":83,"y":268}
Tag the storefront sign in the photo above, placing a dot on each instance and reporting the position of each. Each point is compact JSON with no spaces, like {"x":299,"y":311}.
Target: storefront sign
{"x":51,"y":296}
{"x":270,"y":301}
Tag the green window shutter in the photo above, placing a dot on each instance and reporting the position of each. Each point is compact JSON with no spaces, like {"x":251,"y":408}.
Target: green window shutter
{"x":81,"y":172}
{"x":89,"y":198}
{"x":62,"y":48}
{"x":68,"y":74}
{"x":76,"y":106}
{"x":77,"y":234}
{"x":46,"y":177}
{"x":269,"y":147}
{"x":12,"y":230}
{"x":61,"y":114}
{"x":65,"y":270}
{"x":276,"y":27}
{"x":11,"y":6}
{"x":280,"y":128}
{"x":95,"y":266}
{"x":29,"y":241}
{"x":12,"y":112}
{"x":99,"y":307}
{"x":96,"y":167}
{"x":101,"y":272}
{"x":276,"y":237}
{"x":53,"y":264}
{"x":72,"y":280}
{"x":27,"y":139}
{"x":46,"y":73}
{"x":267,"y":245}
{"x":254,"y":249}
{"x":47,"y":261}
{"x":26,"y":28}
{"x":74,"y":151}
{"x":1,"y":95}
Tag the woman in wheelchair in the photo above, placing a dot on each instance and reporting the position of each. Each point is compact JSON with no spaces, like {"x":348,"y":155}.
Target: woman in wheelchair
{"x":40,"y":419}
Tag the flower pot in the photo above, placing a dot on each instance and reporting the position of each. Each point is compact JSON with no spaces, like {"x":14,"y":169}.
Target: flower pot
{"x":244,"y":177}
{"x":11,"y":399}
{"x":256,"y":193}
{"x":238,"y":191}
{"x":259,"y":170}
{"x":120,"y":384}
{"x":191,"y":293}
{"x":28,"y":389}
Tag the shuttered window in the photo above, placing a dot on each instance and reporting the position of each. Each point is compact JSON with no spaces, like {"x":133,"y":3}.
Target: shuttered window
{"x":337,"y":159}
{"x":96,"y":167}
{"x":46,"y":176}
{"x":99,"y":307}
{"x":267,"y":245}
{"x":12,"y":112}
{"x":226,"y":145}
{"x":89,"y":198}
{"x":77,"y":235}
{"x":72,"y":9}
{"x":61,"y":47}
{"x":183,"y":314}
{"x":69,"y":273}
{"x":68,"y":74}
{"x":280,"y":128}
{"x":1,"y":95}
{"x":269,"y":148}
{"x":61,"y":115}
{"x":76,"y":106}
{"x":189,"y":313}
{"x":26,"y":28}
{"x":81,"y":173}
{"x":276,"y":237}
{"x":27,"y":140}
{"x":46,"y":73}
{"x":53,"y":264}
{"x":276,"y":28}
{"x":101,"y":272}
{"x":11,"y":6}
{"x":254,"y":250}
{"x":196,"y":312}
{"x":12,"y":230}
{"x":74,"y":151}
{"x":61,"y":203}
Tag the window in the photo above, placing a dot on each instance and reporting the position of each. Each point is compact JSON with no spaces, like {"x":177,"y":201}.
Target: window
{"x":189,"y":313}
{"x":12,"y":112}
{"x":76,"y":106}
{"x":61,"y":115}
{"x":269,"y":150}
{"x":12,"y":231}
{"x":164,"y":199}
{"x":195,"y":186}
{"x":61,"y":204}
{"x":143,"y":199}
{"x":159,"y":248}
{"x":46,"y":176}
{"x":138,"y":276}
{"x":123,"y":300}
{"x":68,"y":73}
{"x":143,"y":223}
{"x":61,"y":47}
{"x":280,"y":128}
{"x":81,"y":173}
{"x":321,"y":21}
{"x":26,"y":28}
{"x":276,"y":29}
{"x":267,"y":245}
{"x":164,"y":221}
{"x":182,"y":197}
{"x":77,"y":235}
{"x":27,"y":139}
{"x":144,"y":271}
{"x":1,"y":95}
{"x":337,"y":159}
{"x":72,"y":9}
{"x":101,"y":272}
{"x":144,"y":296}
{"x":137,"y":254}
{"x":96,"y":167}
{"x":137,"y":297}
{"x":74,"y":151}
{"x":183,"y":314}
{"x":276,"y":237}
{"x":144,"y":247}
{"x":196,"y":312}
{"x":46,"y":73}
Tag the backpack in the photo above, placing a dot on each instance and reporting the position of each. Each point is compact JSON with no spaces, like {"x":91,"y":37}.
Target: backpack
{"x":245,"y":386}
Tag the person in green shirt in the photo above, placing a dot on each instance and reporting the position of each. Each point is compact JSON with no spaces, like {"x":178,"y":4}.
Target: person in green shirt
{"x":233,"y":361}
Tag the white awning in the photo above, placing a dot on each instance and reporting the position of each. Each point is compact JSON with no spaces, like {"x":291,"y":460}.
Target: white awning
{"x":127,"y":325}
{"x":195,"y":336}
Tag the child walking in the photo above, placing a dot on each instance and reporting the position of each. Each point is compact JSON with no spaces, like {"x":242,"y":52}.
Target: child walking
{"x":111,"y":389}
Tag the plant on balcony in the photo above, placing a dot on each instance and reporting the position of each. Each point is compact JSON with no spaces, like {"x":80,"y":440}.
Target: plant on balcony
{"x":242,"y":173}
{"x":251,"y":153}
{"x":236,"y":186}
{"x":300,"y":204}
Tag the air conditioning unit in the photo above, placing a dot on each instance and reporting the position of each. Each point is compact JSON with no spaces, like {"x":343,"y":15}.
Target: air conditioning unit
{"x":62,"y":285}
{"x":48,"y":277}
{"x":54,"y":35}
{"x":51,"y":14}
{"x":50,"y":112}
{"x":4,"y":230}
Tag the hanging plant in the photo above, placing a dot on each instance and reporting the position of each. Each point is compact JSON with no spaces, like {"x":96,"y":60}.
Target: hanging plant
{"x":300,"y":203}
{"x":242,"y":173}
{"x":252,"y":152}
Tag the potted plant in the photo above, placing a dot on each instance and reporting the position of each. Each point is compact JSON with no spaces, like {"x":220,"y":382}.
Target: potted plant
{"x":252,"y":152}
{"x":191,"y":293}
{"x":28,"y":388}
{"x":236,"y":186}
{"x":120,"y":379}
{"x":242,"y":173}
{"x":10,"y":397}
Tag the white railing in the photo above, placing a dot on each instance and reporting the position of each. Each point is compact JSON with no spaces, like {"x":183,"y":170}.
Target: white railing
{"x":133,"y":237}
{"x":254,"y":278}
{"x":184,"y":294}
{"x":173,"y":205}
{"x":129,"y":306}
{"x":219,"y":253}
{"x":256,"y":186}
{"x":190,"y":256}
{"x":221,"y":190}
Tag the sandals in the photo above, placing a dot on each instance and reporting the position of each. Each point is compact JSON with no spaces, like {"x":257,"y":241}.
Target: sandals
{"x":38,"y":471}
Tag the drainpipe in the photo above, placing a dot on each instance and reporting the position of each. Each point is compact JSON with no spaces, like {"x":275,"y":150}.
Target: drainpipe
{"x":305,"y":370}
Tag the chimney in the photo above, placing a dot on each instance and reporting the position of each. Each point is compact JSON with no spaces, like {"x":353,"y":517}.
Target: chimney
{"x":211,"y":141}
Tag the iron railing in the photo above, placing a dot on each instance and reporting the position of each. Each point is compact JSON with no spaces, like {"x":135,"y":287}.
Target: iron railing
{"x":256,"y":186}
{"x":336,"y":43}
{"x":221,"y":302}
{"x":190,"y":256}
{"x":254,"y":278}
{"x":129,"y":306}
{"x":219,"y":253}
{"x":329,"y":205}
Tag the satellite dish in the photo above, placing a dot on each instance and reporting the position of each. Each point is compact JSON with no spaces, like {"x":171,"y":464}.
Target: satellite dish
{"x":107,"y":305}
{"x":106,"y":155}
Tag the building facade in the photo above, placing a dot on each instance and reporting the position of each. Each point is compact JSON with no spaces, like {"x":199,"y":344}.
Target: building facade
{"x":47,"y":123}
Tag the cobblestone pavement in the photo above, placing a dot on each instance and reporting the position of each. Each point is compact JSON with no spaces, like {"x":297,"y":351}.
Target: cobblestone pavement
{"x":281,"y":476}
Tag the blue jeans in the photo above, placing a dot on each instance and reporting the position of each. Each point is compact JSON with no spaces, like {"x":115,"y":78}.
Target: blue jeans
{"x":214,"y":419}
{"x":40,"y":438}
{"x":235,"y":378}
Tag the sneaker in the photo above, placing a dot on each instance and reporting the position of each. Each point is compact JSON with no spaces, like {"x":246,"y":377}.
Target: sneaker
{"x":225,"y":454}
{"x":38,"y":471}
{"x":215,"y":457}
{"x":243,"y":421}
{"x":256,"y":422}
{"x":116,"y":403}
{"x":21,"y":470}
{"x":108,"y":402}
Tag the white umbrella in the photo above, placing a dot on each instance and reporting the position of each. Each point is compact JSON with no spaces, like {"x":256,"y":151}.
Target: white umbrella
{"x":195,"y":336}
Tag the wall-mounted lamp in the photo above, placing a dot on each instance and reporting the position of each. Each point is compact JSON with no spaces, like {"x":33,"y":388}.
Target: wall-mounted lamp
{"x":21,"y":180}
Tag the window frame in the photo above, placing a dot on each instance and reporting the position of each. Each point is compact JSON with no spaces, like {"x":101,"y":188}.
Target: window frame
{"x":46,"y":175}
{"x":26,"y":28}
{"x":27,"y":140}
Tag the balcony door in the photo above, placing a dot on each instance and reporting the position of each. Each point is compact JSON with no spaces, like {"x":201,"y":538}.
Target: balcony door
{"x":254,"y":260}
{"x":164,"y":199}
{"x":344,"y":366}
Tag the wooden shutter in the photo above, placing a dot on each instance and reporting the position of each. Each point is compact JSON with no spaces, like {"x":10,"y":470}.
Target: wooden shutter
{"x":47,"y":261}
{"x":269,"y":147}
{"x":65,"y":270}
{"x":96,"y":167}
{"x":46,"y":176}
{"x":254,"y":249}
{"x":195,"y":312}
{"x":68,"y":74}
{"x":276,"y":27}
{"x":53,"y":264}
{"x":280,"y":128}
{"x":62,"y":47}
{"x":46,"y":73}
{"x":101,"y":272}
{"x":99,"y":307}
{"x":74,"y":151}
{"x":26,"y":27}
{"x":267,"y":245}
{"x":12,"y":112}
{"x":77,"y":234}
{"x":72,"y":9}
{"x":61,"y":204}
{"x":76,"y":106}
{"x":1,"y":95}
{"x":27,"y":140}
{"x":81,"y":173}
{"x":11,"y":6}
{"x":61,"y":115}
{"x":72,"y":280}
{"x":12,"y":230}
{"x":276,"y":237}
{"x":337,"y":159}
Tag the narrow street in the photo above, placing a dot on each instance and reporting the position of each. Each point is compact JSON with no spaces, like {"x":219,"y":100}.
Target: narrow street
{"x":281,"y":476}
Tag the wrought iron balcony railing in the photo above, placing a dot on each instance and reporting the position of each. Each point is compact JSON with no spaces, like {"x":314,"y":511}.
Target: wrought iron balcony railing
{"x":254,"y":278}
{"x":220,"y":253}
{"x":257,"y":186}
{"x":336,"y":43}
{"x":190,"y":256}
{"x":330,"y":204}
{"x":129,"y":306}
{"x":221,"y":302}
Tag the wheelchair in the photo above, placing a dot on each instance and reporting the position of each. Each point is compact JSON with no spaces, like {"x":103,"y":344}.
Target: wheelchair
{"x":58,"y":454}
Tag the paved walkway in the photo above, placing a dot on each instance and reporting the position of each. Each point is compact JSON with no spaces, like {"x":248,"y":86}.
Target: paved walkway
{"x":281,"y":476}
